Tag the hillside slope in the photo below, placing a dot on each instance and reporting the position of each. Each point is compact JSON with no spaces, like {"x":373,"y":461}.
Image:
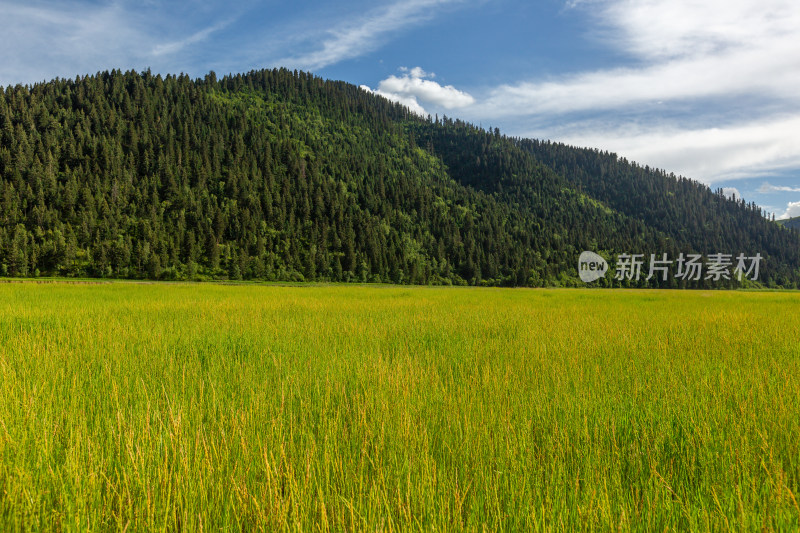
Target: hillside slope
{"x":280,"y":175}
{"x":792,"y":223}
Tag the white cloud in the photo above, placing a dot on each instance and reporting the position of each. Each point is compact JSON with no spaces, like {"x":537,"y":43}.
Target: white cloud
{"x":746,"y":149}
{"x":409,"y":101}
{"x":691,"y":62}
{"x":767,"y":188}
{"x":685,"y":50}
{"x":792,"y":210}
{"x":199,"y":36}
{"x":412,"y":87}
{"x":660,"y":30}
{"x":731,"y":192}
{"x":355,"y":38}
{"x":43,"y":40}
{"x":764,"y":73}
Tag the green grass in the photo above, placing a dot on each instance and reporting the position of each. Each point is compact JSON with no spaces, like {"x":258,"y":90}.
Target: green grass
{"x":207,"y":407}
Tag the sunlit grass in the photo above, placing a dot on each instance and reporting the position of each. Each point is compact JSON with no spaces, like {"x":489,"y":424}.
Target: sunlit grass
{"x":392,"y":408}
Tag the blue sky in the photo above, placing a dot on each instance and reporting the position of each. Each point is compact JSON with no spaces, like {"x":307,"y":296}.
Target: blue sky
{"x":710,"y":89}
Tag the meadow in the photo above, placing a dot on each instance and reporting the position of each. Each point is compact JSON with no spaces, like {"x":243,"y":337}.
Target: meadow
{"x":207,"y":407}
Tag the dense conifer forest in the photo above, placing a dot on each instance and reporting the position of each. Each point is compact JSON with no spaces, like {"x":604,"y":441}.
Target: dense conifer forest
{"x":281,"y":175}
{"x":793,"y":222}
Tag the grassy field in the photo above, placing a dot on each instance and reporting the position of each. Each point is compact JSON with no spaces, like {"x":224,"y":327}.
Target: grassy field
{"x":207,"y":407}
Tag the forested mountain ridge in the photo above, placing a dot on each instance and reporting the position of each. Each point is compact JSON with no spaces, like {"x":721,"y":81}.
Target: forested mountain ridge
{"x":281,"y":175}
{"x":792,"y":223}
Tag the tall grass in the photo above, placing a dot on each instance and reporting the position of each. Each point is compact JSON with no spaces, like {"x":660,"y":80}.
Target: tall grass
{"x":208,"y":407}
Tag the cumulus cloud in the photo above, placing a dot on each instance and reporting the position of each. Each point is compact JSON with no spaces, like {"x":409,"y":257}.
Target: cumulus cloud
{"x":409,"y":101}
{"x":792,"y":210}
{"x":731,"y":192}
{"x":415,"y":84}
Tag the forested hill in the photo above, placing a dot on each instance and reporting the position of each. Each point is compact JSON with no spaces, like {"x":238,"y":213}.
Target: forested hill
{"x":793,"y":223}
{"x":280,"y":175}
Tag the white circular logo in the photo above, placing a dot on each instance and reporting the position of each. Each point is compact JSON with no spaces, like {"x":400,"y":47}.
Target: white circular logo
{"x":591,"y":267}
